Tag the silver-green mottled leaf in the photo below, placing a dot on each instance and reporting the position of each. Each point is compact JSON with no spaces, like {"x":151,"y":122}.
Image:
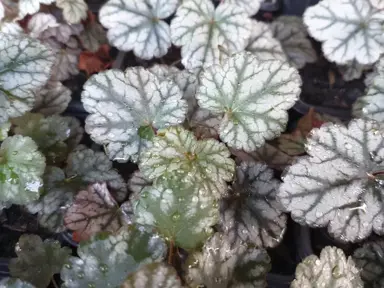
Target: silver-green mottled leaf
{"x":52,"y":99}
{"x":146,"y":34}
{"x":106,"y":260}
{"x":38,"y":261}
{"x":92,"y":211}
{"x":205,"y":163}
{"x":73,"y":10}
{"x":332,"y":270}
{"x":292,"y":34}
{"x":370,"y":260}
{"x":180,"y":212}
{"x":24,"y":68}
{"x":31,"y":7}
{"x":339,"y":185}
{"x":14,"y":283}
{"x":92,"y":167}
{"x":155,"y":275}
{"x":252,"y":95}
{"x":200,"y":29}
{"x":21,"y":168}
{"x":221,"y":266}
{"x":122,"y":105}
{"x":186,"y":81}
{"x":251,"y":214}
{"x":349,"y":29}
{"x":262,"y":43}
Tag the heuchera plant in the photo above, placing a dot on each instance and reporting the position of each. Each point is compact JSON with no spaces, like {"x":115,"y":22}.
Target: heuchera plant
{"x":217,"y":173}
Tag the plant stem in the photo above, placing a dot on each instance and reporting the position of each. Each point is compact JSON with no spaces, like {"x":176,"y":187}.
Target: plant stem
{"x":54,"y":282}
{"x":170,"y":253}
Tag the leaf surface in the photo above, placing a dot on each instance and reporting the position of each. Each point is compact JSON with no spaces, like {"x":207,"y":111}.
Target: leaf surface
{"x":14,"y":283}
{"x":370,"y":260}
{"x":219,"y":265}
{"x":21,"y":168}
{"x":251,"y":214}
{"x":92,"y":211}
{"x":339,"y":184}
{"x":24,"y":68}
{"x":73,"y":10}
{"x":200,"y":29}
{"x":250,"y":6}
{"x":124,"y":107}
{"x":38,"y":261}
{"x":53,"y":98}
{"x":179,"y":212}
{"x":106,"y":260}
{"x":332,"y":269}
{"x":205,"y":163}
{"x":31,"y":7}
{"x":252,"y":95}
{"x":292,"y":34}
{"x":146,"y":34}
{"x":349,"y":30}
{"x":153,"y":276}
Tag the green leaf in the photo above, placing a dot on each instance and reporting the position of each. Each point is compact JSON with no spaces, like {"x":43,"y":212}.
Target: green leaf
{"x":14,"y":283}
{"x":205,"y":163}
{"x":179,"y":212}
{"x":106,"y":260}
{"x":38,"y":261}
{"x":21,"y":168}
{"x":93,"y":210}
{"x":25,"y":67}
{"x":370,"y":260}
{"x":332,"y":269}
{"x":220,"y":266}
{"x":153,"y":275}
{"x":252,"y":96}
{"x":339,"y":185}
{"x":124,"y":105}
{"x":251,"y":213}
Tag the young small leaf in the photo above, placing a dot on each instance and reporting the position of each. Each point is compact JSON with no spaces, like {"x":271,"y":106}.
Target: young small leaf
{"x":62,"y":33}
{"x":38,"y":261}
{"x":14,"y":283}
{"x":221,"y":266}
{"x":370,"y":260}
{"x":349,"y":30}
{"x":205,"y":124}
{"x":106,"y":261}
{"x":252,"y":95}
{"x":200,"y":29}
{"x":93,"y":210}
{"x":121,"y":104}
{"x":339,"y":184}
{"x":263,"y":44}
{"x":251,"y":213}
{"x":155,"y":275}
{"x":21,"y":168}
{"x":147,"y":35}
{"x":41,"y":22}
{"x":379,"y":4}
{"x":73,"y":10}
{"x":204,"y":163}
{"x":93,"y":35}
{"x":332,"y":269}
{"x":179,"y":212}
{"x":24,"y":68}
{"x":292,"y":34}
{"x":52,"y":99}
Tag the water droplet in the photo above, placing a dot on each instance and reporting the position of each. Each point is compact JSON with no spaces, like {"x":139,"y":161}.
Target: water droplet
{"x":68,"y":266}
{"x":103,"y":268}
{"x":176,"y":216}
{"x":80,"y":275}
{"x":337,"y":272}
{"x":195,"y":199}
{"x":348,"y":145}
{"x":91,"y":285}
{"x":14,"y":153}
